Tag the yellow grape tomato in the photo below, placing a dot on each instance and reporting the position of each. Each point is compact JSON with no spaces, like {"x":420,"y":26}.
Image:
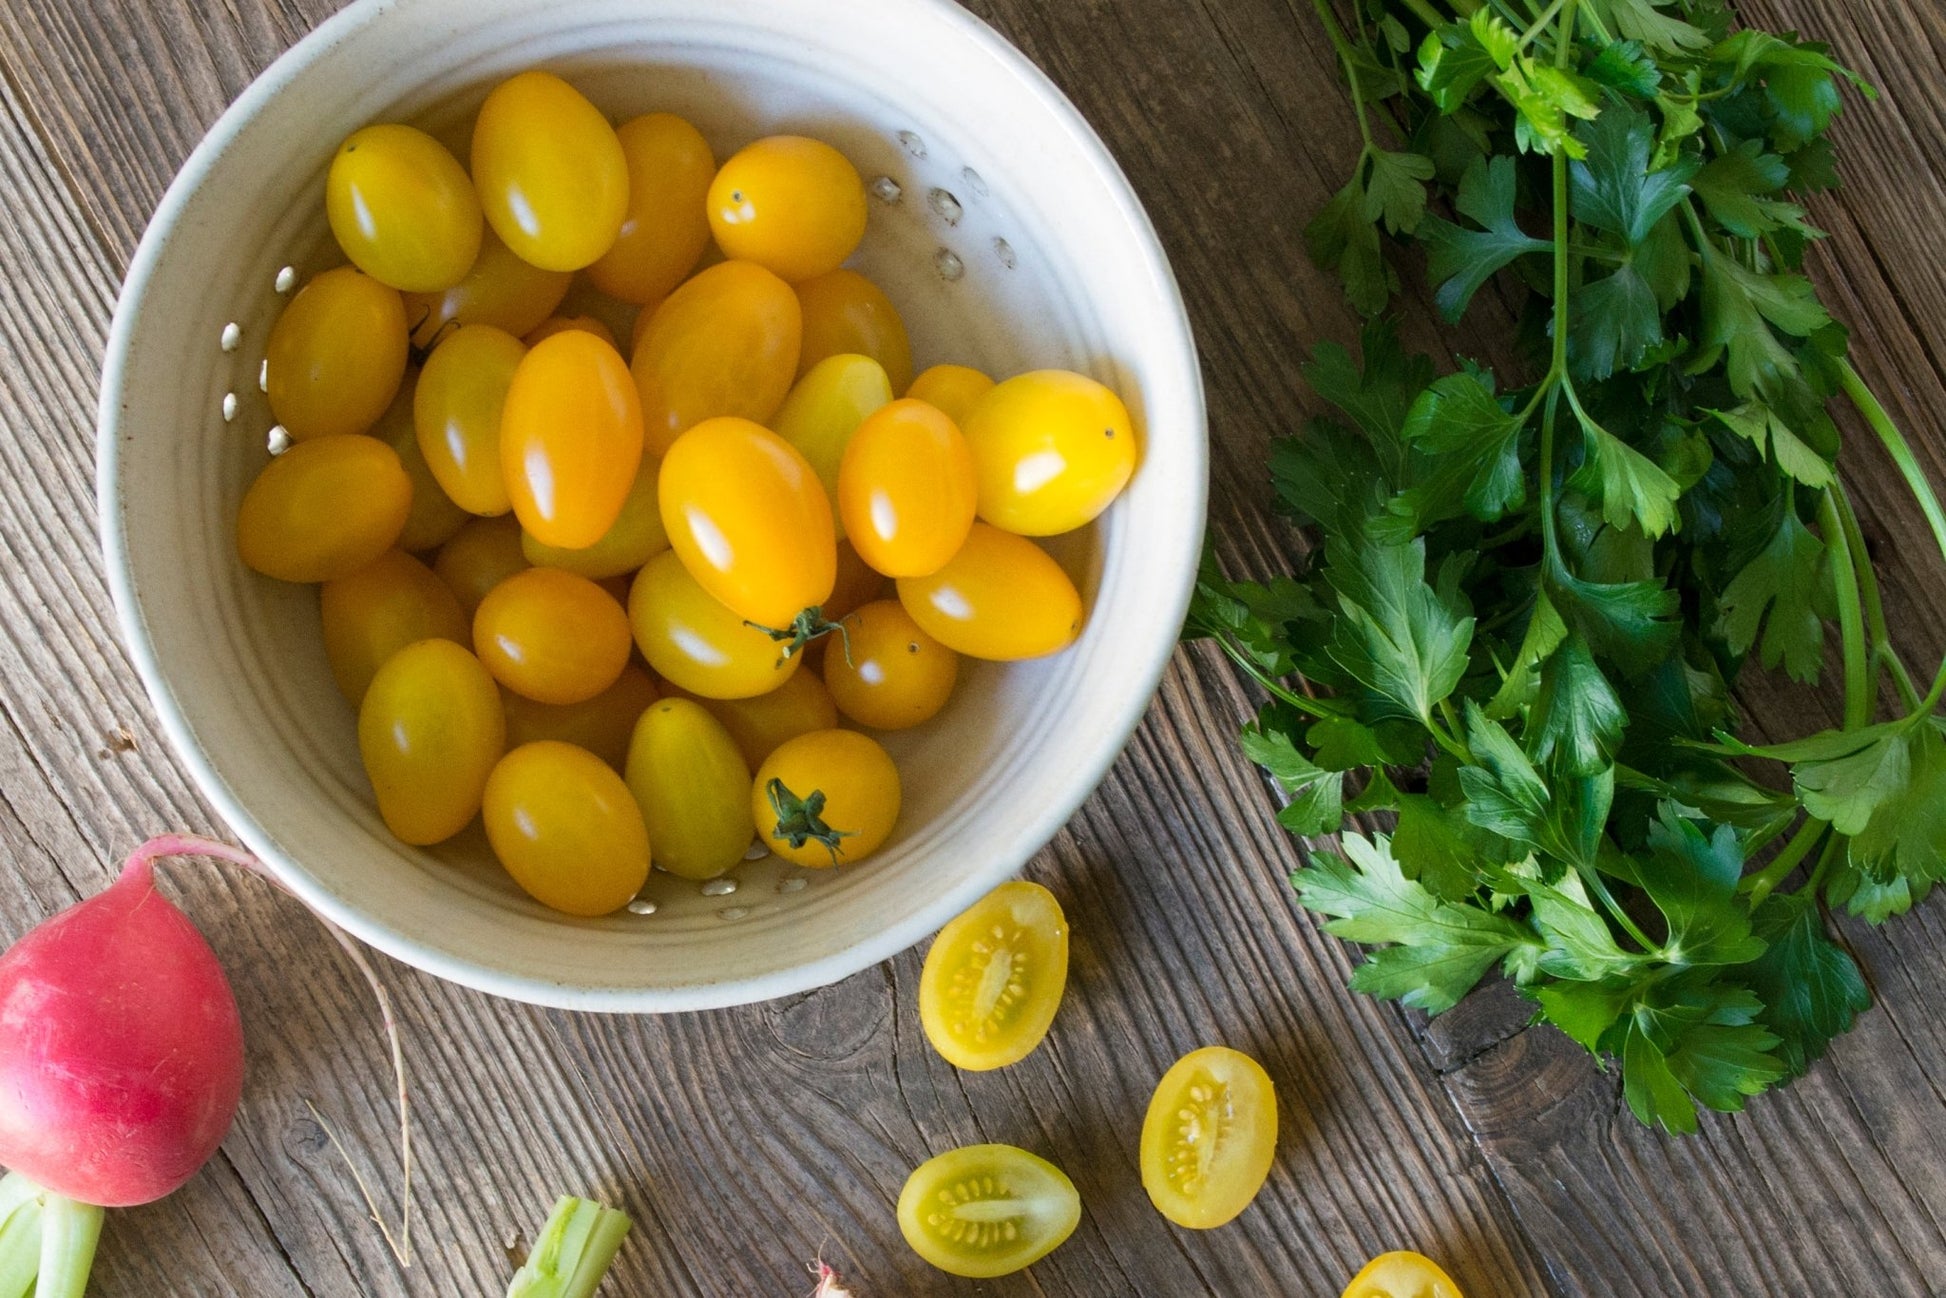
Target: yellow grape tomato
{"x":693,"y":786}
{"x":951,"y":388}
{"x":1209,"y":1137}
{"x":371,"y":614}
{"x":666,"y":228}
{"x":994,"y":978}
{"x":1053,"y":448}
{"x":336,"y":355}
{"x":762,"y":723}
{"x":324,"y":508}
{"x":500,"y":290}
{"x":725,"y":343}
{"x":430,"y":730}
{"x":570,"y":439}
{"x":1402,"y":1275}
{"x":1001,"y":597}
{"x":748,"y":517}
{"x":552,"y":636}
{"x":456,"y":412}
{"x":551,"y":175}
{"x":561,"y":323}
{"x":403,"y":209}
{"x":635,"y":538}
{"x":434,"y":518}
{"x":846,"y":313}
{"x":987,"y":1210}
{"x":602,"y":724}
{"x":886,"y":673}
{"x":567,"y":828}
{"x":793,"y":205}
{"x":481,"y":555}
{"x":905,"y":489}
{"x":695,"y":643}
{"x":825,"y":407}
{"x":830,"y":797}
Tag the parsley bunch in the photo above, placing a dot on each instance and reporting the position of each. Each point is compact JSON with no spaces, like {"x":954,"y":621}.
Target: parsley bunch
{"x":1528,"y":603}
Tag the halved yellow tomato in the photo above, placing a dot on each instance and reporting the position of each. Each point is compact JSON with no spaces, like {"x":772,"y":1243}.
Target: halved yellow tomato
{"x":994,"y":978}
{"x":570,"y":439}
{"x":1209,"y":1137}
{"x":1001,"y":597}
{"x":987,"y":1210}
{"x":1402,"y":1275}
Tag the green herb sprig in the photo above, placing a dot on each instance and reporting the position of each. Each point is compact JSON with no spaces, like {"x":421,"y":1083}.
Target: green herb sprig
{"x":1519,"y":628}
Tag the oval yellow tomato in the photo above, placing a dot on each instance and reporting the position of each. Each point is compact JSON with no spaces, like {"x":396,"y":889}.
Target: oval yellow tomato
{"x":905,"y":490}
{"x":481,"y":555}
{"x":693,"y":787}
{"x":825,"y":407}
{"x":553,"y":636}
{"x":1053,"y":449}
{"x":1209,"y":1137}
{"x":336,"y":355}
{"x":695,"y":643}
{"x":827,"y":798}
{"x":456,"y":412}
{"x":725,"y":343}
{"x":324,"y":508}
{"x":952,"y":389}
{"x":749,"y":519}
{"x":602,"y":724}
{"x":403,"y":209}
{"x":845,"y":313}
{"x":500,"y":290}
{"x":1001,"y":597}
{"x":987,"y":1210}
{"x":566,"y":828}
{"x":666,"y":228}
{"x":636,"y":537}
{"x":433,"y":519}
{"x":762,"y":723}
{"x":994,"y":978}
{"x":570,"y":439}
{"x":371,"y":614}
{"x":551,"y":176}
{"x":430,"y":730}
{"x":791,"y":204}
{"x":886,"y":673}
{"x":1402,"y":1275}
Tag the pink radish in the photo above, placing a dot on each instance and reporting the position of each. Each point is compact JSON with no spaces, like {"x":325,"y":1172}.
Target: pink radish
{"x":121,"y":1064}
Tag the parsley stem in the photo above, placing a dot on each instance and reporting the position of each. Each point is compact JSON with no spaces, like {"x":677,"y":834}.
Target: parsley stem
{"x":1547,"y":16}
{"x":1348,"y":57}
{"x":1426,"y":13}
{"x":1454,"y":745}
{"x":1760,"y":884}
{"x":1256,"y":673}
{"x":1883,"y":653}
{"x":1851,"y":620}
{"x":1599,"y":886}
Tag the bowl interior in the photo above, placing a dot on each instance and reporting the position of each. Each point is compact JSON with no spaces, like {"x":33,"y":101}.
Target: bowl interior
{"x":1001,"y":230}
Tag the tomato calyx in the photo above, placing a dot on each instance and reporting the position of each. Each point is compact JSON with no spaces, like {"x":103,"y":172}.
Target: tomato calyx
{"x":801,"y":820}
{"x":807,"y":626}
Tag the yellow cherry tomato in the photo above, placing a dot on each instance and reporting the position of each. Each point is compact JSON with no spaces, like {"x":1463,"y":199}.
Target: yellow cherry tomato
{"x":666,"y":229}
{"x":827,"y":798}
{"x":695,"y":643}
{"x":1001,"y":597}
{"x":1209,"y":1137}
{"x":336,"y":355}
{"x":1402,"y":1275}
{"x":602,"y":724}
{"x":429,"y":730}
{"x":481,"y":555}
{"x":951,"y":388}
{"x":566,"y":828}
{"x":1053,"y":448}
{"x":824,"y":409}
{"x":791,"y":204}
{"x":551,"y":175}
{"x":905,"y":490}
{"x":561,"y":323}
{"x":456,"y":410}
{"x":749,"y":519}
{"x":884,"y":672}
{"x":500,"y":290}
{"x":845,"y":313}
{"x":987,"y":1210}
{"x":570,"y":439}
{"x":636,"y":537}
{"x":433,"y":518}
{"x":725,"y":343}
{"x":324,"y":508}
{"x":371,"y":614}
{"x":763,"y":723}
{"x":403,"y":209}
{"x":553,"y":636}
{"x":994,"y":978}
{"x":693,"y":786}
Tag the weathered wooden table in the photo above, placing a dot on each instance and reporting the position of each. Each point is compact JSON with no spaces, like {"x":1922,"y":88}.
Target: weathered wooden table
{"x":746,"y":1142}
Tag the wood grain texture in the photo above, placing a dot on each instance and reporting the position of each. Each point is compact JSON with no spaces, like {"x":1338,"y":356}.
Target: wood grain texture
{"x":745,"y":1142}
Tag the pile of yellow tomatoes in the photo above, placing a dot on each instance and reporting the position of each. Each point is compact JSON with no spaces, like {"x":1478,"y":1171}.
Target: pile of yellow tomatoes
{"x":505,"y":512}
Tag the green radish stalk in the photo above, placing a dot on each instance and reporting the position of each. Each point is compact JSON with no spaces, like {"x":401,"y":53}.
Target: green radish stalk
{"x":572,"y":1252}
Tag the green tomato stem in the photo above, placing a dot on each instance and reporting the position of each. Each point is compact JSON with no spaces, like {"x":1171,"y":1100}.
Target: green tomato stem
{"x":1760,"y":884}
{"x":572,"y":1252}
{"x":1851,"y":621}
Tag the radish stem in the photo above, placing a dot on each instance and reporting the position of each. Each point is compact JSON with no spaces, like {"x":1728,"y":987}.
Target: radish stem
{"x":47,"y":1241}
{"x":572,"y":1252}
